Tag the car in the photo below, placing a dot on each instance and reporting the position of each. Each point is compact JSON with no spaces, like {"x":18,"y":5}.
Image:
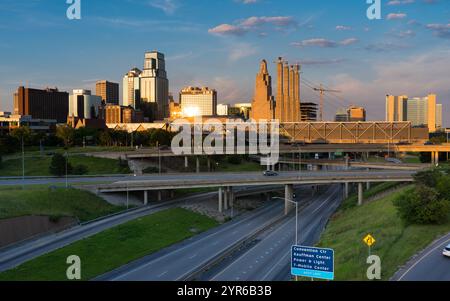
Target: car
{"x":270,"y":173}
{"x":446,"y":251}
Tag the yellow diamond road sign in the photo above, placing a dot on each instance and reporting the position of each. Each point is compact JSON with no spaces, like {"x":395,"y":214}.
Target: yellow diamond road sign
{"x":369,"y":240}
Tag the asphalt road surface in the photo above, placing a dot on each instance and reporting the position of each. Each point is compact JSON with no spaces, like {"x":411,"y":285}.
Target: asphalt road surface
{"x":429,"y":265}
{"x":269,"y":259}
{"x":178,"y":261}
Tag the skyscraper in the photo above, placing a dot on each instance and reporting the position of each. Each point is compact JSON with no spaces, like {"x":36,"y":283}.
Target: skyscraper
{"x":288,"y":92}
{"x":263,"y":105}
{"x":356,"y":114}
{"x":421,"y":111}
{"x":155,"y":85}
{"x":42,"y":104}
{"x":132,"y":88}
{"x":84,"y":105}
{"x":108,"y":91}
{"x":196,"y":101}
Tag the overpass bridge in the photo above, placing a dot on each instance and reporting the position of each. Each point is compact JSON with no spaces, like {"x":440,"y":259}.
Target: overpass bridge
{"x":226,"y":181}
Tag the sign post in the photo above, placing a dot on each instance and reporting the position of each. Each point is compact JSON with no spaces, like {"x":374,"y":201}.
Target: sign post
{"x":369,"y":240}
{"x":312,"y":262}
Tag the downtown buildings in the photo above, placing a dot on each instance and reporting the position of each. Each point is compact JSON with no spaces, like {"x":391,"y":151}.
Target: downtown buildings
{"x":108,"y":91}
{"x":286,"y":106}
{"x":195,"y":101}
{"x":42,"y":104}
{"x":421,"y":111}
{"x":148,"y":90}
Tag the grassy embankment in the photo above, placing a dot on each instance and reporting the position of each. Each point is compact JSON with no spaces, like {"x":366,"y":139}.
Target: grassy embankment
{"x":115,"y":247}
{"x":395,"y":242}
{"x":39,"y":166}
{"x":56,"y":202}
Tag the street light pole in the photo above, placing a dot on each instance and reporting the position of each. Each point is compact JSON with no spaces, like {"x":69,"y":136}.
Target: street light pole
{"x":23,"y":164}
{"x":67,"y":159}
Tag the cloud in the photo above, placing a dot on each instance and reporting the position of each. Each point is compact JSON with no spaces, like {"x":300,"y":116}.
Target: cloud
{"x":321,"y":62}
{"x":403,"y":34}
{"x":400,"y":2}
{"x":167,"y":6}
{"x":399,"y":77}
{"x":397,"y":16}
{"x":385,"y":47}
{"x":251,"y":24}
{"x":241,"y":50}
{"x":324,"y":43}
{"x":247,"y":1}
{"x":440,"y":30}
{"x":342,"y":27}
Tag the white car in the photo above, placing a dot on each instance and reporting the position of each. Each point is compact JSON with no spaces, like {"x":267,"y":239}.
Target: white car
{"x":446,"y":251}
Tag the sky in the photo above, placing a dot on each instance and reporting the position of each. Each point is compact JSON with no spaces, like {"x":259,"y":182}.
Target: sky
{"x":219,"y":43}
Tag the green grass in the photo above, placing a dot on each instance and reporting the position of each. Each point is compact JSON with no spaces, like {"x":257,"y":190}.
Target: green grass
{"x":243,"y":167}
{"x":115,"y":247}
{"x":40,"y":200}
{"x":395,"y":242}
{"x":39,"y":166}
{"x":412,"y":160}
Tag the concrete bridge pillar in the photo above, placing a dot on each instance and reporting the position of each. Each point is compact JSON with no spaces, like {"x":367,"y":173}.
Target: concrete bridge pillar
{"x":360,"y":194}
{"x":197,"y":164}
{"x":368,"y":185}
{"x":289,"y":197}
{"x":220,"y":196}
{"x":159,"y":195}
{"x":230,"y":197}
{"x":186,"y":162}
{"x":208,"y":161}
{"x":346,"y":190}
{"x":145,"y":197}
{"x":347,"y":162}
{"x":225,"y":201}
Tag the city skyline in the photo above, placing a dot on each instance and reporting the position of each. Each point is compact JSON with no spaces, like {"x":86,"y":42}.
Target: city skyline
{"x":335,"y":43}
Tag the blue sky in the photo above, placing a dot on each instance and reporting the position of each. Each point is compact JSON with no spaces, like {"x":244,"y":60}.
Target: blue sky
{"x":219,"y":43}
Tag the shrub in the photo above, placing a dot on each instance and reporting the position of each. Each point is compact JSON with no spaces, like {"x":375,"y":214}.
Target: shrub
{"x":422,"y":205}
{"x":235,"y":159}
{"x":58,"y":166}
{"x":80,"y":170}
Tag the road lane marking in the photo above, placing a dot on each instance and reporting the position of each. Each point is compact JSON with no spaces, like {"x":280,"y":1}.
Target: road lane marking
{"x":422,"y":257}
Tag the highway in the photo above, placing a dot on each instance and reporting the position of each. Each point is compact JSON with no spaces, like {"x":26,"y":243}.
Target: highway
{"x":200,"y":180}
{"x":269,"y":259}
{"x":181,"y":260}
{"x":16,"y":254}
{"x":189,"y":259}
{"x":429,"y":265}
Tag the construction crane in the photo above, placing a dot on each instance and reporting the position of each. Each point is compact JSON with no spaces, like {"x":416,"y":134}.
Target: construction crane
{"x":322,"y":91}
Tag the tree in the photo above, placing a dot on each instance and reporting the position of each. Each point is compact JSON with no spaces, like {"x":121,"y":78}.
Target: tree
{"x":66,"y":134}
{"x":428,"y":178}
{"x":422,"y":205}
{"x":58,"y":166}
{"x":20,"y":133}
{"x":105,"y":138}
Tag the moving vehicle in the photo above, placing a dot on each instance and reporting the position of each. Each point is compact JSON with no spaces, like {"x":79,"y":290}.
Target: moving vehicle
{"x":270,"y":173}
{"x":446,"y":251}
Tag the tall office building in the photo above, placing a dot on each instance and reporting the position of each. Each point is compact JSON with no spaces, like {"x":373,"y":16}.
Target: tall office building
{"x":84,"y":105}
{"x":421,"y":111}
{"x":42,"y":104}
{"x":132,"y":88}
{"x":108,"y":91}
{"x":222,"y":110}
{"x":155,"y":85}
{"x":196,"y":101}
{"x":288,"y":92}
{"x":396,"y":108}
{"x":308,"y":112}
{"x":356,"y":114}
{"x":263,"y":105}
{"x":341,"y":115}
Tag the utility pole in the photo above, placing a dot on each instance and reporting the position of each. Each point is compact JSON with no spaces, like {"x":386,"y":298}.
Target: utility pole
{"x":322,"y":91}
